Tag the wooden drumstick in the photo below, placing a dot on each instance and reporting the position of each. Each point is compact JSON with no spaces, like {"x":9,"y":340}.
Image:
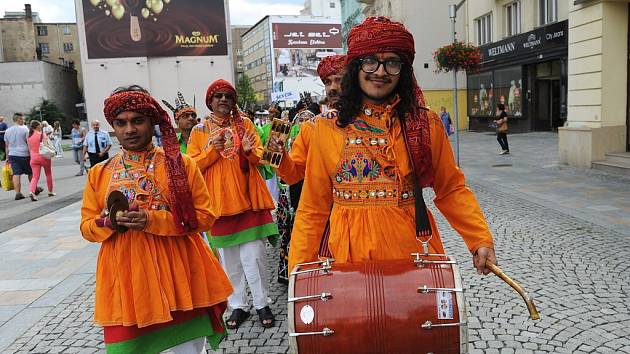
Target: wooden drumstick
{"x":529,"y":301}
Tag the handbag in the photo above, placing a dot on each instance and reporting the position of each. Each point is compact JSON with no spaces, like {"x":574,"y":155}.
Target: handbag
{"x":46,"y":149}
{"x":503,"y":128}
{"x":7,"y":177}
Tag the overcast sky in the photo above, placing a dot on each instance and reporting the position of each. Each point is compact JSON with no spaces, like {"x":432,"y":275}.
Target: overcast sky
{"x":242,"y":12}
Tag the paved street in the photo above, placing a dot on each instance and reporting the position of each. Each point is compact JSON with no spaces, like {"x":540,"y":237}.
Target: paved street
{"x":562,"y":233}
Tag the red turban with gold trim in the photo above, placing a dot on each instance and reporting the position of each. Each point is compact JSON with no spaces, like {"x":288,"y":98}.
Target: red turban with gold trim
{"x":180,"y":197}
{"x":331,"y":65}
{"x":378,"y":35}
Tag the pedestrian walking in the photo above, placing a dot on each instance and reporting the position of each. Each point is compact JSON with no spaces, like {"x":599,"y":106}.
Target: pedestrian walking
{"x":36,"y":137}
{"x":46,"y":128}
{"x":16,"y":139}
{"x":446,"y":121}
{"x":57,"y":135}
{"x":158,"y":286}
{"x":3,"y":129}
{"x":78,"y":134}
{"x":366,"y":168}
{"x":227,"y":151}
{"x":502,"y":128}
{"x":97,"y":144}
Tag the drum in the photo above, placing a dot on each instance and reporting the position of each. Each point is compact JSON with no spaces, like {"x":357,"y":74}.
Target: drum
{"x":402,"y":306}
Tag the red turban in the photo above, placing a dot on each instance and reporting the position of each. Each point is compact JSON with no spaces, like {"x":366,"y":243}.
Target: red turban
{"x":180,"y":198}
{"x":219,"y":85}
{"x":331,"y":65}
{"x":380,"y":34}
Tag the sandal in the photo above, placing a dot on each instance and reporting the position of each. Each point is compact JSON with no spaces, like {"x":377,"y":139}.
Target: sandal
{"x":265,"y":314}
{"x":237,"y":318}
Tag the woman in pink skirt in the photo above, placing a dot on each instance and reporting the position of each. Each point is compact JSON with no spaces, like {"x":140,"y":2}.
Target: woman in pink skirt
{"x":37,"y":160}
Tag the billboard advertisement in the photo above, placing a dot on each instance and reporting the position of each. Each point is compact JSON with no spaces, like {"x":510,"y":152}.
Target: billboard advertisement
{"x":153,"y":28}
{"x":297,"y":50}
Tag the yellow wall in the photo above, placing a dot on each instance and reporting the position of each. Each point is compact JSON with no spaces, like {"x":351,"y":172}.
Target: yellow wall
{"x":438,"y":98}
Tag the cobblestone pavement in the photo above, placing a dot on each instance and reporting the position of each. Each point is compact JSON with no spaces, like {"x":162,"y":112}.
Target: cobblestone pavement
{"x":576,"y":271}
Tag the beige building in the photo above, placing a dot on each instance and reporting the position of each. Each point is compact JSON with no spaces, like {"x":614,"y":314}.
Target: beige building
{"x":598,"y":122}
{"x":17,"y":37}
{"x":237,"y":50}
{"x":256,"y":44}
{"x":59,"y":43}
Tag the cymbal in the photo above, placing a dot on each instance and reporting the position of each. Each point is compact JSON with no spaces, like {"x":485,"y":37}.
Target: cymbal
{"x":115,"y":196}
{"x":116,"y":210}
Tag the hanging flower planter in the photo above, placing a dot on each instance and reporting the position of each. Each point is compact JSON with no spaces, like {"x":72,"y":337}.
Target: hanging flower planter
{"x":457,"y":56}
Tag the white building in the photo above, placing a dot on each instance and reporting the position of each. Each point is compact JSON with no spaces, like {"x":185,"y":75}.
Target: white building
{"x":323,"y":8}
{"x":204,"y":30}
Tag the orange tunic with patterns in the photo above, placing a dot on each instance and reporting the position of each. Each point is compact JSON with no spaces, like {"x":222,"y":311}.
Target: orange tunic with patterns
{"x":293,"y":165}
{"x":361,"y":177}
{"x":233,"y":191}
{"x":142,"y":276}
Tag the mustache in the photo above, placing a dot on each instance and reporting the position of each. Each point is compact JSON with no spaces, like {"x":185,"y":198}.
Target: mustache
{"x":333,"y":93}
{"x":380,"y":78}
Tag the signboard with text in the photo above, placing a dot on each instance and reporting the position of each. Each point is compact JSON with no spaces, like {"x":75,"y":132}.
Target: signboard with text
{"x":134,"y":28}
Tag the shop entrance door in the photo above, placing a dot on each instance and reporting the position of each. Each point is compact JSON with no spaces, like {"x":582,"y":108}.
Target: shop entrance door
{"x":547,"y":105}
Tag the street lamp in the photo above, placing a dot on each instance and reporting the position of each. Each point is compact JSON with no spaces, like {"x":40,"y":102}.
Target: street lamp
{"x":452,"y":14}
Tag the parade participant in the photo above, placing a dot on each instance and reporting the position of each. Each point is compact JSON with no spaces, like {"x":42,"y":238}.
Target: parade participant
{"x":185,"y":118}
{"x":227,"y":151}
{"x":366,"y":168}
{"x":157,"y":284}
{"x":330,"y":71}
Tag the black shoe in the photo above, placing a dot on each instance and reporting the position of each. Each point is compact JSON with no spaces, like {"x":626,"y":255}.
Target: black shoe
{"x":19,"y":196}
{"x":38,"y":190}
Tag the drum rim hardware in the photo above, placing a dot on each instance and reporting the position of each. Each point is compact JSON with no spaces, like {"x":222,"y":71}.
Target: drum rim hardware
{"x":430,"y":325}
{"x":322,"y":296}
{"x":324,"y":332}
{"x":425,"y":290}
{"x":326,"y":265}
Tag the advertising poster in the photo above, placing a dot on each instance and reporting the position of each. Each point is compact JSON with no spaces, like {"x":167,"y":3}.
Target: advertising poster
{"x":153,"y":28}
{"x":297,"y":50}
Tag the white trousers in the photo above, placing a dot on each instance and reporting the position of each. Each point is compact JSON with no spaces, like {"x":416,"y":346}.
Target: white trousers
{"x":247,"y":262}
{"x":195,"y":346}
{"x":274,"y":190}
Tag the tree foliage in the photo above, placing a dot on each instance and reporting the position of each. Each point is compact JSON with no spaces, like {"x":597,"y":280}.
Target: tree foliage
{"x":245,"y":92}
{"x":50,"y":112}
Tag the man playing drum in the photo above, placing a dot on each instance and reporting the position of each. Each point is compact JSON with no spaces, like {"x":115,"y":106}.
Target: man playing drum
{"x":364,"y":167}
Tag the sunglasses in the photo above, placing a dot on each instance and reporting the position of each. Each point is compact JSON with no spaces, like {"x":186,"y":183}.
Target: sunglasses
{"x":220,"y":95}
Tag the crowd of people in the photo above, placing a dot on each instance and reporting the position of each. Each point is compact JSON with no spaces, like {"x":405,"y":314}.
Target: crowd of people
{"x":199,"y":210}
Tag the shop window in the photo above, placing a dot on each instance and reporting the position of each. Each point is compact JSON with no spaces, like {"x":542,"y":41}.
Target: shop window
{"x":513,"y":18}
{"x":483,"y":29}
{"x":508,"y":89}
{"x":480,"y":94}
{"x":548,"y":11}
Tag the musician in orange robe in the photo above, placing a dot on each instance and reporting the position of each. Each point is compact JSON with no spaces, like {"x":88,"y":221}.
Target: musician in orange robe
{"x":361,"y":170}
{"x":158,"y":286}
{"x":291,"y":169}
{"x":227,"y":150}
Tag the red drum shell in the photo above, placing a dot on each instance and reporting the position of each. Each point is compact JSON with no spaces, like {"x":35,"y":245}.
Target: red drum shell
{"x":375,"y":307}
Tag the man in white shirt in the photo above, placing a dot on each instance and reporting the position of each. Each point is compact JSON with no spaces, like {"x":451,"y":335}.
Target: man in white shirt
{"x":19,"y":156}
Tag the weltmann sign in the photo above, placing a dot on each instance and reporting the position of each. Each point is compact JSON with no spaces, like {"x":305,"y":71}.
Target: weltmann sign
{"x":539,"y":40}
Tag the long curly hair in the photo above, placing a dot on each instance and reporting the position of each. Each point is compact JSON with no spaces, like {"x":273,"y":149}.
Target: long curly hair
{"x":351,"y":98}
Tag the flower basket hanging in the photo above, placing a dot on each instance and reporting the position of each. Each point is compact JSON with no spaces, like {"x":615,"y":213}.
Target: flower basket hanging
{"x":457,"y":56}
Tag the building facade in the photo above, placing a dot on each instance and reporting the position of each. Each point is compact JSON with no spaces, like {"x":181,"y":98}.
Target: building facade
{"x":281,"y":54}
{"x":598,"y":67}
{"x":17,"y":37}
{"x":59,"y":43}
{"x":324,"y":8}
{"x":237,"y":50}
{"x":524,"y":48}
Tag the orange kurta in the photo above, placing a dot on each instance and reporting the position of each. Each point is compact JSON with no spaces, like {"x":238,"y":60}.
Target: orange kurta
{"x":142,"y":276}
{"x":361,"y":177}
{"x":233,"y":190}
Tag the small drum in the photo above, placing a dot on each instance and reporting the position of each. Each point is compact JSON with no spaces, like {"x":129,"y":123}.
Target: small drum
{"x":403,"y":306}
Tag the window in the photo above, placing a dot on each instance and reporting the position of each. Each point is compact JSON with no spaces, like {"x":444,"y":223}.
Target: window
{"x":483,"y":29}
{"x":332,"y":5}
{"x":44,"y":48}
{"x":548,"y":10}
{"x":42,"y":30}
{"x":513,"y":18}
{"x":68,"y":47}
{"x":66,"y":29}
